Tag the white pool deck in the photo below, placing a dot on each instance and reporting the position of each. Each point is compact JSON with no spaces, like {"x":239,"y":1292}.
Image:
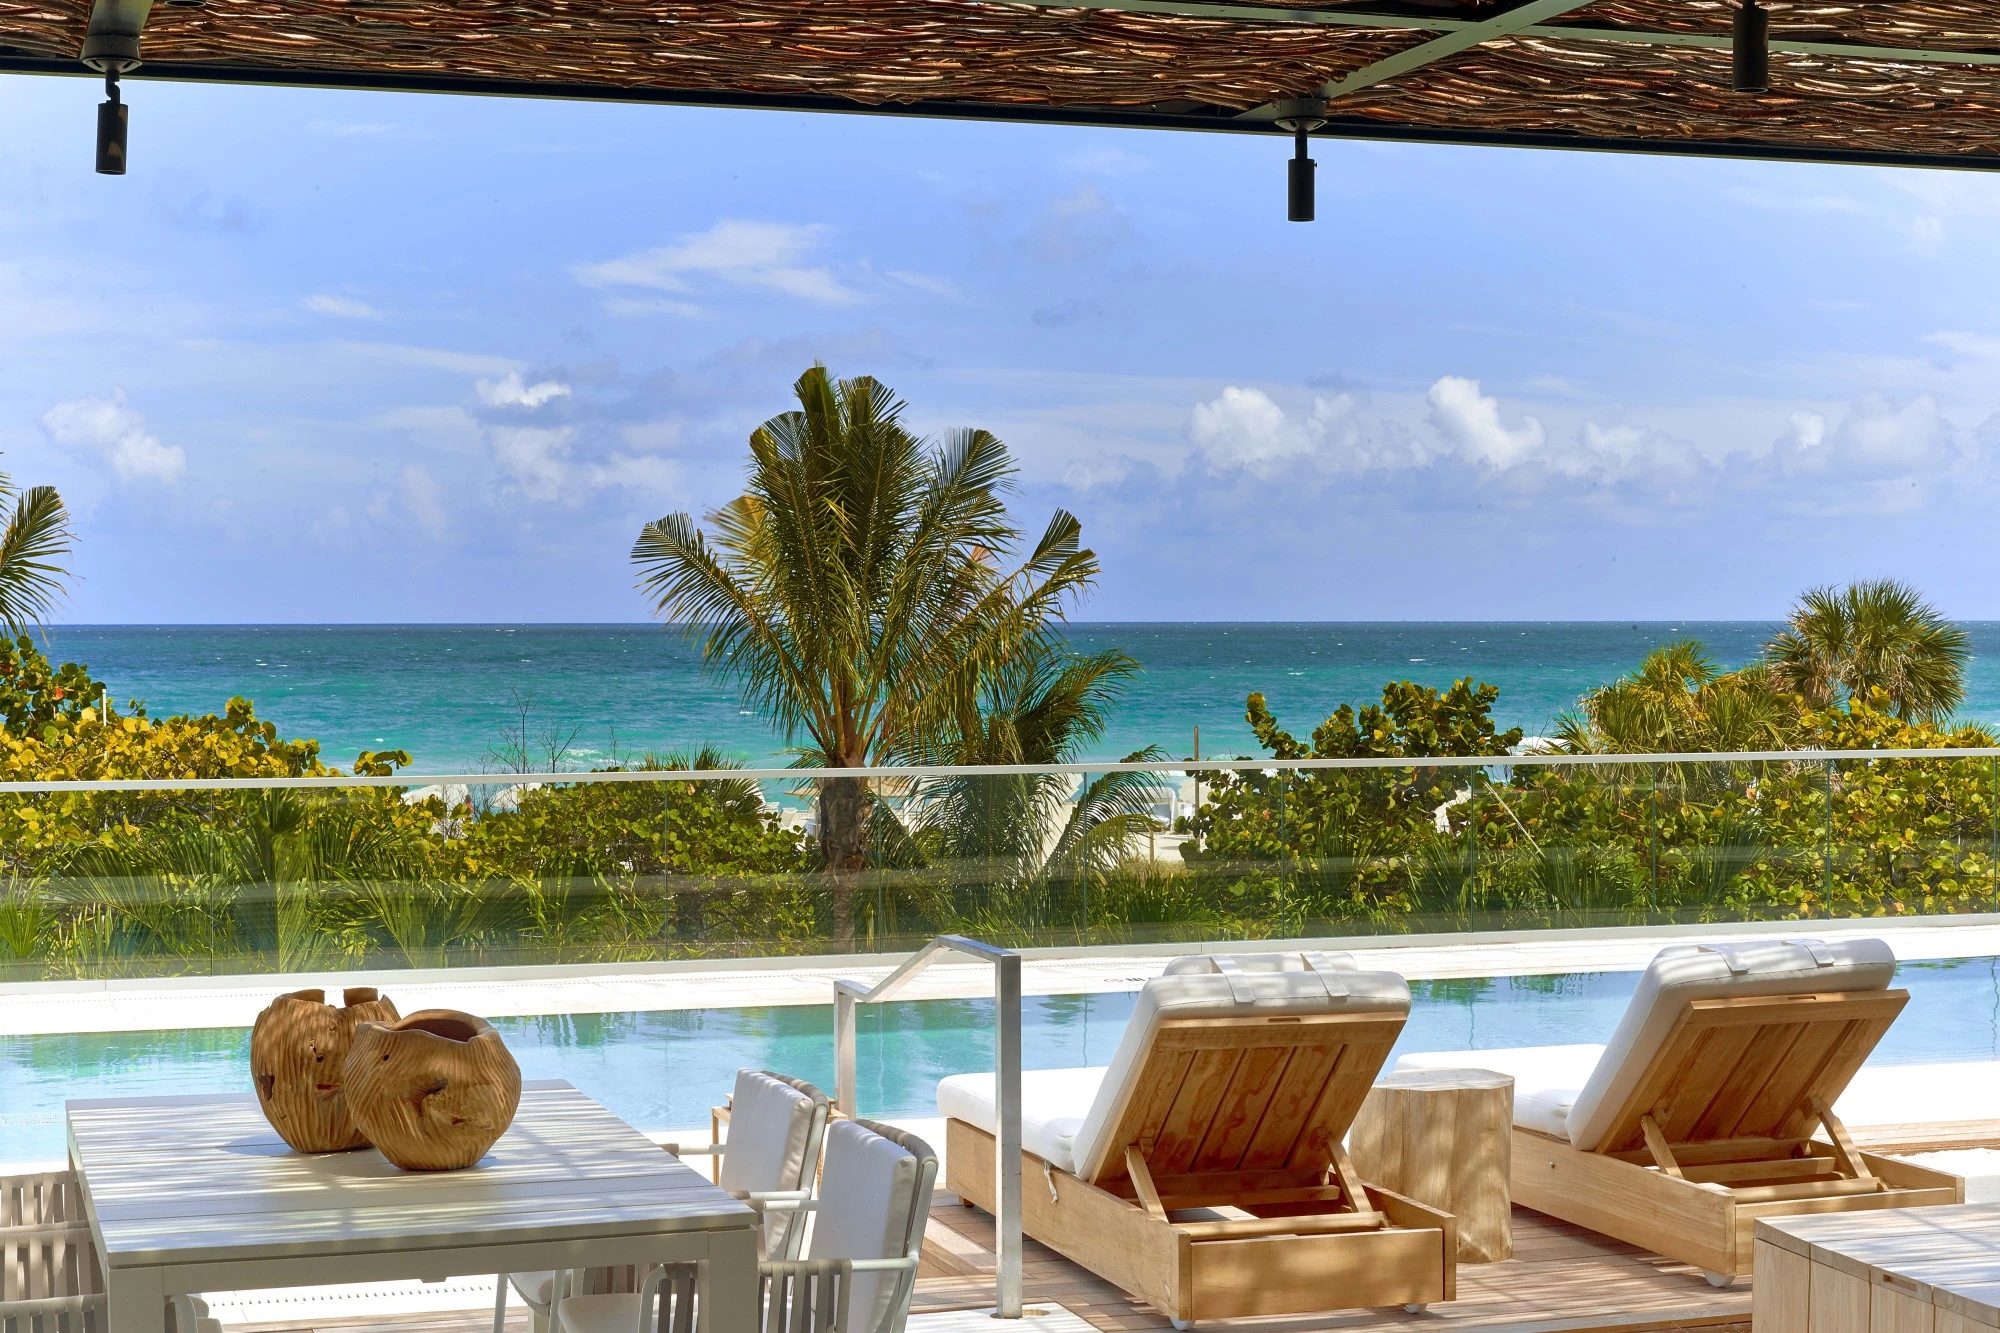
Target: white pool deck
{"x":47,"y":1007}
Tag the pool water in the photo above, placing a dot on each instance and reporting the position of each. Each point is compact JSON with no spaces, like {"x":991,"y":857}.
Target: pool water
{"x":664,"y":1070}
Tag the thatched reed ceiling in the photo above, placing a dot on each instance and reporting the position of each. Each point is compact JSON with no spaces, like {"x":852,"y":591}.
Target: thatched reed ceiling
{"x":1908,"y":81}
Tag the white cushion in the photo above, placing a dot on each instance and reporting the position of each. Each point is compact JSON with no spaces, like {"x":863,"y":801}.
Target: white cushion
{"x":769,"y":1145}
{"x":1197,"y":963}
{"x":1053,"y":1105}
{"x":1547,"y":1079}
{"x":612,"y":1313}
{"x":868,"y":1209}
{"x":1691,"y":972}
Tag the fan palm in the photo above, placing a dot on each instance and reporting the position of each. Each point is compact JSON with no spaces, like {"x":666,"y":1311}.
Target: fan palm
{"x":32,"y":543}
{"x":1012,"y":836}
{"x":857,"y":591}
{"x":1870,"y":637}
{"x":1677,"y":702}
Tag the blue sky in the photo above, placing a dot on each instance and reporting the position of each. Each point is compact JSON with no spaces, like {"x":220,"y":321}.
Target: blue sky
{"x":345,"y":356}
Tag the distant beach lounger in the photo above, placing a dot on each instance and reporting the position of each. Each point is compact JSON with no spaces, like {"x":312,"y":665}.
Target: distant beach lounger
{"x":1202,"y":1170}
{"x":1699,"y":1116}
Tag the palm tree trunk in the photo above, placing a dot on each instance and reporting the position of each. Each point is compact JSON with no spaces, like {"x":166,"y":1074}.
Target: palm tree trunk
{"x":843,"y":849}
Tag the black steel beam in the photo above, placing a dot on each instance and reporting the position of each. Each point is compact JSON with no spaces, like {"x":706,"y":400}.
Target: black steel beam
{"x":1217,"y":121}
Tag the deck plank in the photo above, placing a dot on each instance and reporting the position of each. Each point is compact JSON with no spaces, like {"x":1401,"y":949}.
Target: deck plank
{"x":1561,"y":1280}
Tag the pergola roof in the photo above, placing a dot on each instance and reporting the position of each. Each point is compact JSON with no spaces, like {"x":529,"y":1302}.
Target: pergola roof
{"x":1895,"y":81}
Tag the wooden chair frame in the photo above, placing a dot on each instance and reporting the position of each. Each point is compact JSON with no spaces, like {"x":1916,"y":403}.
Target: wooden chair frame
{"x":1721,"y":1130}
{"x":1229,"y":1194}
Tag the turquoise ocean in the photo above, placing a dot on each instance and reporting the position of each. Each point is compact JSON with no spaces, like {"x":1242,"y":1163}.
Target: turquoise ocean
{"x":447,"y":693}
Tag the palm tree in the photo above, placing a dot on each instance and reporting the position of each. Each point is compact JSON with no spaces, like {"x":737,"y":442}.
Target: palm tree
{"x":35,"y":538}
{"x":1012,"y":837}
{"x":1677,"y":702}
{"x":1869,"y":637}
{"x":857,"y":590}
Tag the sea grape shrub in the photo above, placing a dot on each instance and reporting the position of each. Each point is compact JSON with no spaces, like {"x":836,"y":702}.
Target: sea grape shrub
{"x":645,"y":868}
{"x":37,"y":697}
{"x":1305,"y":847}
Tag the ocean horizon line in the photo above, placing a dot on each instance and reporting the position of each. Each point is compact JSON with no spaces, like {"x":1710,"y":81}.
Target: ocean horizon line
{"x":1638,"y":623}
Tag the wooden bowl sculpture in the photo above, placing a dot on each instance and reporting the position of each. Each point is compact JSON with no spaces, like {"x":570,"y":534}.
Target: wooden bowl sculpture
{"x":432,"y":1091}
{"x":297,"y":1051}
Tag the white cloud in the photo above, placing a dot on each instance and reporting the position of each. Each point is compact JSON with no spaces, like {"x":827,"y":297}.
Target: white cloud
{"x":1246,"y":429}
{"x":1105,"y":160}
{"x":339,"y":307}
{"x":634,"y":307}
{"x":423,"y":500}
{"x":110,"y":428}
{"x":771,"y":255}
{"x":1470,"y":421}
{"x":923,"y":282}
{"x":1877,"y":438}
{"x":648,"y":474}
{"x":432,"y":358}
{"x":511,"y":391}
{"x":535,"y":458}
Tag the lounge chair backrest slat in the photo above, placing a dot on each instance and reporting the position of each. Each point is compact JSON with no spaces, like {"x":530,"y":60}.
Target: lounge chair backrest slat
{"x":1246,"y":1071}
{"x":1756,"y":1068}
{"x":1737,"y":1042}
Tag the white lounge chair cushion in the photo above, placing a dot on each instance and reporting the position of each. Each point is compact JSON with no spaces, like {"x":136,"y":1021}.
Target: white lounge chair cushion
{"x":1689,"y":972}
{"x":867,"y":1203}
{"x":1547,"y":1079}
{"x":1053,"y":1105}
{"x":1195,"y":964}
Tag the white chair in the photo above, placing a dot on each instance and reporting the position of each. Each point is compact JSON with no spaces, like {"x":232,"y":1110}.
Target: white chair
{"x":860,"y":1266}
{"x":50,"y":1281}
{"x":769,"y":1159}
{"x":1713,"y":1104}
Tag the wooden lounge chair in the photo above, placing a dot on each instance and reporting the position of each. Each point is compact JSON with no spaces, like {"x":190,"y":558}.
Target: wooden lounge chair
{"x":1203,"y":1171}
{"x":1712,"y":1105}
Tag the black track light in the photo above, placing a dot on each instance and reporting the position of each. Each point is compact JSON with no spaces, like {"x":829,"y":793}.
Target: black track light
{"x":1299,"y":185}
{"x":111,"y":120}
{"x":1752,"y":48}
{"x":1299,"y":174}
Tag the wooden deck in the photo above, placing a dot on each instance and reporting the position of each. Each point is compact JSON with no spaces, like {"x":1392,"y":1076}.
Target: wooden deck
{"x":1560,"y":1280}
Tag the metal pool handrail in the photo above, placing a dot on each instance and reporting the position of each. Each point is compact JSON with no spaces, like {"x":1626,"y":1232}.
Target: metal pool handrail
{"x":849,"y":996}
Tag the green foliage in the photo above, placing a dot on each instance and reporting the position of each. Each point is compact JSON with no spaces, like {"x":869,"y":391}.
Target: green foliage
{"x":861,"y":589}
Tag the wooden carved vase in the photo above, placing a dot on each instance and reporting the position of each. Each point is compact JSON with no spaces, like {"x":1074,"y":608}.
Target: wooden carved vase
{"x":298,"y":1050}
{"x":432,"y":1091}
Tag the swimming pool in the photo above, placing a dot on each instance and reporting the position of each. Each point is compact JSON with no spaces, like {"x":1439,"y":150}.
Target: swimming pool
{"x":664,"y":1070}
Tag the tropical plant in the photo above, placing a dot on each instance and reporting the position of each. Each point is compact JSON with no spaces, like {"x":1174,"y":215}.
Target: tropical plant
{"x":857,"y":591}
{"x":33,"y":543}
{"x":1677,"y":702}
{"x":1007,"y":843}
{"x":1879,"y":635}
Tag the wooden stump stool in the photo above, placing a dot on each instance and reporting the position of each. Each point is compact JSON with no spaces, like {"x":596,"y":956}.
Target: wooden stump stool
{"x":1441,"y":1137}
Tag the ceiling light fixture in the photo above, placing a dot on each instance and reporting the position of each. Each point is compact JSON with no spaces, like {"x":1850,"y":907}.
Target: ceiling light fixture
{"x":1751,"y":48}
{"x":111,"y":121}
{"x":1299,"y":194}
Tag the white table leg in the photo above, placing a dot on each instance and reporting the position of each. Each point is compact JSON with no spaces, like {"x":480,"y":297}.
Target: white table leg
{"x":728,"y":1299}
{"x":135,"y":1302}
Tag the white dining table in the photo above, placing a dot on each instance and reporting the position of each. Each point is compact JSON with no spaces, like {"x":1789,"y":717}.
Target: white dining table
{"x":193,"y":1194}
